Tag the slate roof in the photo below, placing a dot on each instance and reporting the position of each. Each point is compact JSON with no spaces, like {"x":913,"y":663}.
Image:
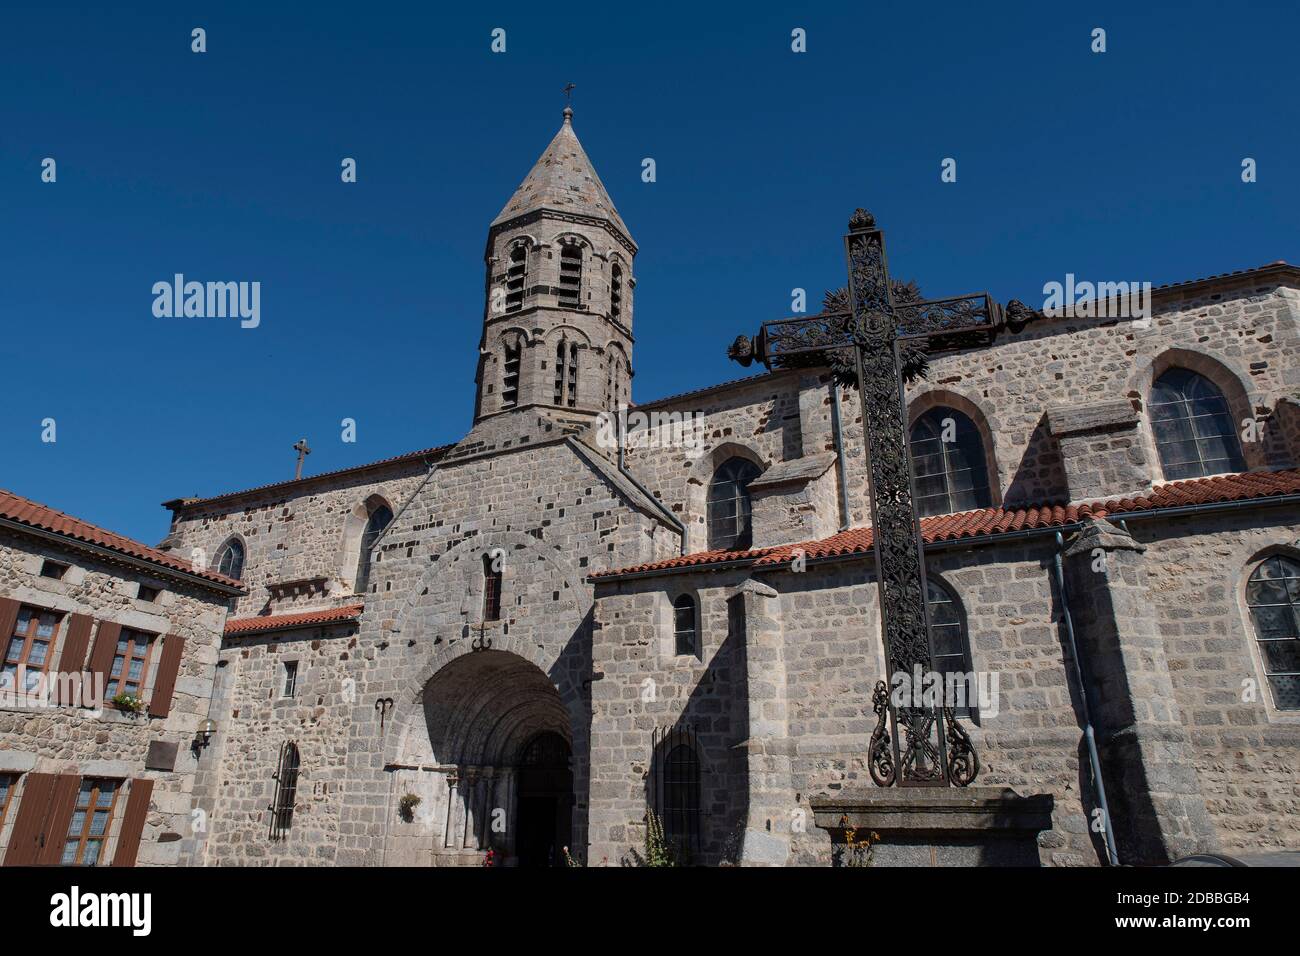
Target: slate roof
{"x":30,"y":514}
{"x":986,"y":522}
{"x":563,"y":180}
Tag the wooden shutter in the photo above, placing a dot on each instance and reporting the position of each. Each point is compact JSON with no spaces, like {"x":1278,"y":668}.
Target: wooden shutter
{"x":101,"y":657}
{"x":160,"y":701}
{"x":43,"y":815}
{"x":73,"y":655}
{"x":8,"y":620}
{"x":137,"y":809}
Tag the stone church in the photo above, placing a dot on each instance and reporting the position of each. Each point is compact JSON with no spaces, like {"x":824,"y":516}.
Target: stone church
{"x":529,"y":642}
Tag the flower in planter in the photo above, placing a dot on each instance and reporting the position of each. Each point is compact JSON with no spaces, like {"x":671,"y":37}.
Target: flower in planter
{"x":131,"y":703}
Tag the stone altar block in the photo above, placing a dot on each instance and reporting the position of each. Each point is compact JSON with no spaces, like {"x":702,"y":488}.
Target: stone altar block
{"x":922,"y":826}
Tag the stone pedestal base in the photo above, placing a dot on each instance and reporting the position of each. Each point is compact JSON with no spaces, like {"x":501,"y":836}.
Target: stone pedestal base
{"x":975,"y":826}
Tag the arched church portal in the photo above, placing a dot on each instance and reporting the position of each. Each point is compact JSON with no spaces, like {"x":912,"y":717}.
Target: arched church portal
{"x":500,"y":732}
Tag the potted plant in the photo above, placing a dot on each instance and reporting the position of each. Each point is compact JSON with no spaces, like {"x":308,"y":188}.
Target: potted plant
{"x":128,"y":703}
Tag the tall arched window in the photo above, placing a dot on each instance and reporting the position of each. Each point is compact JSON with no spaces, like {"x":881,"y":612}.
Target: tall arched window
{"x":510,"y":380}
{"x":492,"y":585}
{"x":286,"y":790}
{"x":561,"y":353}
{"x":685,"y":639}
{"x":517,"y":278}
{"x":729,"y":507}
{"x":1193,"y":428}
{"x":380,"y":516}
{"x":1273,"y":595}
{"x":616,"y":292}
{"x":230,"y":559}
{"x":570,"y":292}
{"x":949,"y":644}
{"x":566,"y":373}
{"x":951,"y":471}
{"x":680,"y":808}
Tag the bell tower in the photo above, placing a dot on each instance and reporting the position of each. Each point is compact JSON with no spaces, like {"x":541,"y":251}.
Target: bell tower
{"x":557,"y":321}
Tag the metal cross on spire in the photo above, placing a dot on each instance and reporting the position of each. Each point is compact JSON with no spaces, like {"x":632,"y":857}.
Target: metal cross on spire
{"x":915,"y":743}
{"x":300,"y":446}
{"x":568,"y":93}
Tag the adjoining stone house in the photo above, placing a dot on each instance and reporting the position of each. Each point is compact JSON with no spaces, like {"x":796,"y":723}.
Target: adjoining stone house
{"x":88,"y":616}
{"x":526,"y":640}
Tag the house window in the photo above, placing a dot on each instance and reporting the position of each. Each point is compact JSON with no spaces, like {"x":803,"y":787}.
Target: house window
{"x":290,"y":688}
{"x":130,"y":663}
{"x":517,"y":278}
{"x":27,"y":653}
{"x":286,"y":791}
{"x":230,"y":559}
{"x":491,"y":586}
{"x":949,"y":645}
{"x":948,"y":458}
{"x":1193,"y":428}
{"x":684,"y":625}
{"x":380,"y":517}
{"x":729,"y":506}
{"x":570,"y":291}
{"x":510,"y":383}
{"x":1273,"y":595}
{"x":53,"y":569}
{"x":8,"y":784}
{"x":616,"y":292}
{"x":681,"y":797}
{"x":88,"y":828}
{"x":147,"y":593}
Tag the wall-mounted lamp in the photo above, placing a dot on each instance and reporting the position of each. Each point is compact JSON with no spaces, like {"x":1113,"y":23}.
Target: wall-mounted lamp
{"x":203,"y":736}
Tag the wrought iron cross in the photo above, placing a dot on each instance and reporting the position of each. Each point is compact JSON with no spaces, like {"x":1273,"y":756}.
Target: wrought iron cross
{"x":300,"y":446}
{"x":915,"y":745}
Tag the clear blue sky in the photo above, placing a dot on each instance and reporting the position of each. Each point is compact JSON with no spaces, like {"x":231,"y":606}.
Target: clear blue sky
{"x":225,"y":166}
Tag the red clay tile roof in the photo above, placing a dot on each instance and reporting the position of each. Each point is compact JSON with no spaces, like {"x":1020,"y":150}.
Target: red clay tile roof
{"x":30,"y":514}
{"x":1219,"y":489}
{"x":183,"y":503}
{"x":285,"y":622}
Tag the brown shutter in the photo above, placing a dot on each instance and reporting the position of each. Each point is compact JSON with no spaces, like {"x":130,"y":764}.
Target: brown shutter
{"x":73,"y":655}
{"x":43,"y":815}
{"x":101,"y":656}
{"x":137,"y":808}
{"x":8,"y":620}
{"x":160,"y":701}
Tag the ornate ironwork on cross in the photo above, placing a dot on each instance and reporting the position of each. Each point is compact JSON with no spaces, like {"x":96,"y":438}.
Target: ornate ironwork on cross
{"x":877,"y":335}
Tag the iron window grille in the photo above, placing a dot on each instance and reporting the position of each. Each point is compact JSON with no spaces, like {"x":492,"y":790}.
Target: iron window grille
{"x":676,"y":790}
{"x":951,"y":475}
{"x":1273,"y":596}
{"x":729,"y":504}
{"x":1193,"y":427}
{"x":286,"y":791}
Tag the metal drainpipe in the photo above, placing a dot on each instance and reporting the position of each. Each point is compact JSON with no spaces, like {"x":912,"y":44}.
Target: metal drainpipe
{"x":622,"y":470}
{"x":1088,"y":735}
{"x":839,"y":453}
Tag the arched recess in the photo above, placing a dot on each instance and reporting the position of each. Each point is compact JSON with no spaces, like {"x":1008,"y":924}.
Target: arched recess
{"x":985,"y":424}
{"x":698,"y":480}
{"x":1223,"y":373}
{"x":350,"y":557}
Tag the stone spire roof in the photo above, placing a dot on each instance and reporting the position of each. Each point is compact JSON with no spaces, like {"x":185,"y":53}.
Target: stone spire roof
{"x":563,"y":180}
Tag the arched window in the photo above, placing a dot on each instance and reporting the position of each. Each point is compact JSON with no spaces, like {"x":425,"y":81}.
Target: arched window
{"x":510,"y":381}
{"x":680,"y":808}
{"x":573,"y":375}
{"x":230,"y":559}
{"x":286,"y":790}
{"x":566,"y":373}
{"x":1193,"y":428}
{"x":1273,"y":595}
{"x":684,"y":634}
{"x":570,"y":291}
{"x":616,"y":292}
{"x":517,"y":278}
{"x":492,"y":585}
{"x":948,"y":455}
{"x":380,"y":516}
{"x":729,"y":508}
{"x":561,"y":353}
{"x":949,"y":645}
